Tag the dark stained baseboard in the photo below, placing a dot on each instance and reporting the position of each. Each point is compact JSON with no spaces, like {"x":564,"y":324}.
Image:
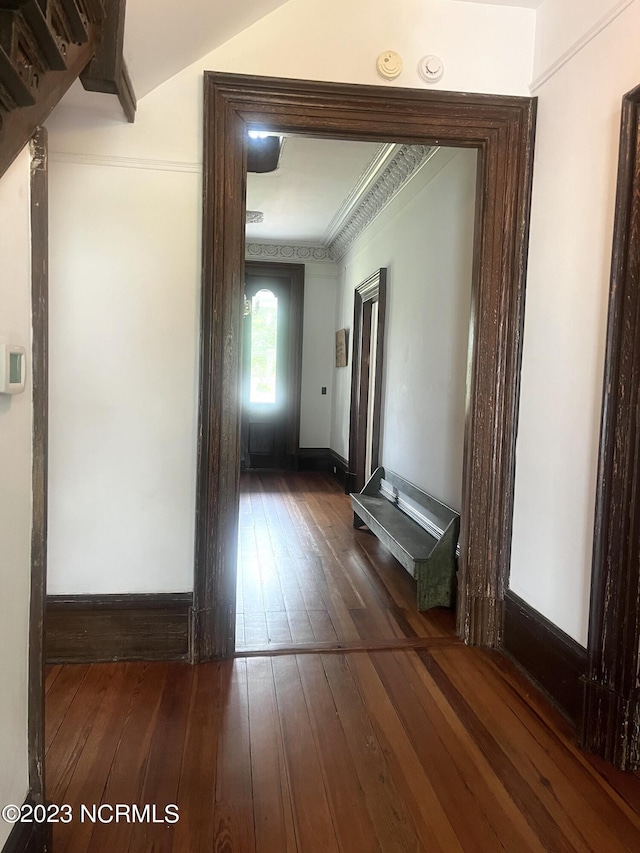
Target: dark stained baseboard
{"x":314,"y":459}
{"x":339,"y":467}
{"x":549,"y":656}
{"x":92,"y":628}
{"x":29,"y":837}
{"x":323,"y":459}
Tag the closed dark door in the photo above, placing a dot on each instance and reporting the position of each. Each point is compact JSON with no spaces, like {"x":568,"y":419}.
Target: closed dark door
{"x":266,"y":374}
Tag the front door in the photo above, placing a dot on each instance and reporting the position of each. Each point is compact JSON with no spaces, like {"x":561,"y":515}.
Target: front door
{"x":267,"y":374}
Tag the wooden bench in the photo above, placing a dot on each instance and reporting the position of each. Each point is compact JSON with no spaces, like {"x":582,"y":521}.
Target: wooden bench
{"x":420,"y":532}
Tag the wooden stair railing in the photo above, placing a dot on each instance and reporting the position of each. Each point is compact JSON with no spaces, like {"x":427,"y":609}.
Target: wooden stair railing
{"x":44,"y":46}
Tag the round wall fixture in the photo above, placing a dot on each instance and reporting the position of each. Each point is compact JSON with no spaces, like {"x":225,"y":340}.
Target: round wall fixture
{"x":430,"y":68}
{"x":389,"y":64}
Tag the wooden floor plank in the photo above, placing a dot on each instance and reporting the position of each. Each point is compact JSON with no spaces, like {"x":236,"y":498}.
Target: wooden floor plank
{"x":234,"y":830}
{"x":395,"y":826}
{"x":196,"y":793}
{"x":511,"y":826}
{"x":351,"y":818}
{"x":60,"y":695}
{"x":272,"y":813}
{"x":89,"y":779}
{"x":485,"y":826}
{"x":311,"y":812}
{"x":162,"y":776}
{"x":51,"y":672}
{"x":556,"y":767}
{"x":530,"y":798}
{"x":67,"y":745}
{"x":127,"y":773}
{"x":415,"y":786}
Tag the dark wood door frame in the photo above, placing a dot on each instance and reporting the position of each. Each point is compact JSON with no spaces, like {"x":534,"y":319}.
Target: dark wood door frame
{"x":294,"y":273}
{"x":372,"y":289}
{"x":612,"y":697}
{"x":40,"y":395}
{"x":501,"y":128}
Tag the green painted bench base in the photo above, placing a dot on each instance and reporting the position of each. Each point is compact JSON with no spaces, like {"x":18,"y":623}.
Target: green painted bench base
{"x":428,"y":555}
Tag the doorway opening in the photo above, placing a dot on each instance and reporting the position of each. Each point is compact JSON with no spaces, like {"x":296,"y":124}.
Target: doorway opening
{"x":369,"y":314}
{"x":501,"y":129}
{"x":271,"y":373}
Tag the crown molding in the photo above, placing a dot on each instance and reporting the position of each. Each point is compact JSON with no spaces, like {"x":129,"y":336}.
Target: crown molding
{"x":283,"y":252}
{"x":125,"y":162}
{"x":577,"y":46}
{"x":405,"y":164}
{"x":389,"y":171}
{"x":381,"y":159}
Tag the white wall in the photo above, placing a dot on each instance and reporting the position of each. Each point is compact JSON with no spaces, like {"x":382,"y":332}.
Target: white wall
{"x":125,"y":279}
{"x":318,"y":353}
{"x":425,"y":240}
{"x":567,"y":290}
{"x":124,"y":323}
{"x":15,"y":493}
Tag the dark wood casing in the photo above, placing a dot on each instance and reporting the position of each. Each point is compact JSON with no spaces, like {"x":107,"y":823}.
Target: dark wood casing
{"x":501,"y":129}
{"x":612,"y":697}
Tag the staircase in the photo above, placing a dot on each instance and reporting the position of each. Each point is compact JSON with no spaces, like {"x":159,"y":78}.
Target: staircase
{"x":44,"y":46}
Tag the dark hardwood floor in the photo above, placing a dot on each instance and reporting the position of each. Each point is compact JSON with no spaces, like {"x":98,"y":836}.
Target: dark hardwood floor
{"x":435,"y":747}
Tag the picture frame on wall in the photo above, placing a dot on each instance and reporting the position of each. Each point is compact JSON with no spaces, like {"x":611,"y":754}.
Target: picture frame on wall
{"x":341,"y":347}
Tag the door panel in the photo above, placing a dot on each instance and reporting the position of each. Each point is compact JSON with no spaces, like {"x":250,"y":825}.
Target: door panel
{"x":266,"y":372}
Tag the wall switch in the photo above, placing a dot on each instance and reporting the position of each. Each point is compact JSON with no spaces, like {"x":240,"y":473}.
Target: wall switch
{"x":324,"y":389}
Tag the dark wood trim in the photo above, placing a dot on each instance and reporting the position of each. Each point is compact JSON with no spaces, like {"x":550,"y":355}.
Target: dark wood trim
{"x":29,"y":837}
{"x":40,"y":397}
{"x":107,"y":72}
{"x":18,"y":124}
{"x":612,"y":696}
{"x":92,"y":628}
{"x":366,"y":646}
{"x":314,"y":459}
{"x":549,"y":656}
{"x":323,"y":459}
{"x":295,"y":275}
{"x":373,"y":289}
{"x":501,"y":128}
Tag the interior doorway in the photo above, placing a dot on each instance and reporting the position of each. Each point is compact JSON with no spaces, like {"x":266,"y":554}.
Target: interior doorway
{"x":369,"y":314}
{"x":271,"y":365}
{"x":501,"y":128}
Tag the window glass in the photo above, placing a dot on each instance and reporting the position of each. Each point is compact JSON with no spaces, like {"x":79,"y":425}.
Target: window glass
{"x":264,"y":338}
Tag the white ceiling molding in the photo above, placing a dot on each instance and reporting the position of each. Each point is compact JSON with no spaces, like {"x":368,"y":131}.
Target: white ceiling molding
{"x":390,"y":170}
{"x":124,"y":162}
{"x":379,"y":162}
{"x":406,"y":163}
{"x":583,"y":41}
{"x":280,"y":252}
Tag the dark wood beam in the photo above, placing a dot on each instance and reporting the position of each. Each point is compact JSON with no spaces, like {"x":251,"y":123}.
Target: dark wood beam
{"x":108,"y":72}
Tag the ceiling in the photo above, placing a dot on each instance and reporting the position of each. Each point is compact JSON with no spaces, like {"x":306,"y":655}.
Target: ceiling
{"x":316,"y":185}
{"x":158,"y":46}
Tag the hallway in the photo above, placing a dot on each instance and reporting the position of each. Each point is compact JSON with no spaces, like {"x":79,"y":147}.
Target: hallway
{"x":416,"y":743}
{"x":306,"y":577}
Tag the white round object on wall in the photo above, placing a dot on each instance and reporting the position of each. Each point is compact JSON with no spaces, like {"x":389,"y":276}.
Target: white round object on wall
{"x":431,"y":68}
{"x":389,"y":64}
